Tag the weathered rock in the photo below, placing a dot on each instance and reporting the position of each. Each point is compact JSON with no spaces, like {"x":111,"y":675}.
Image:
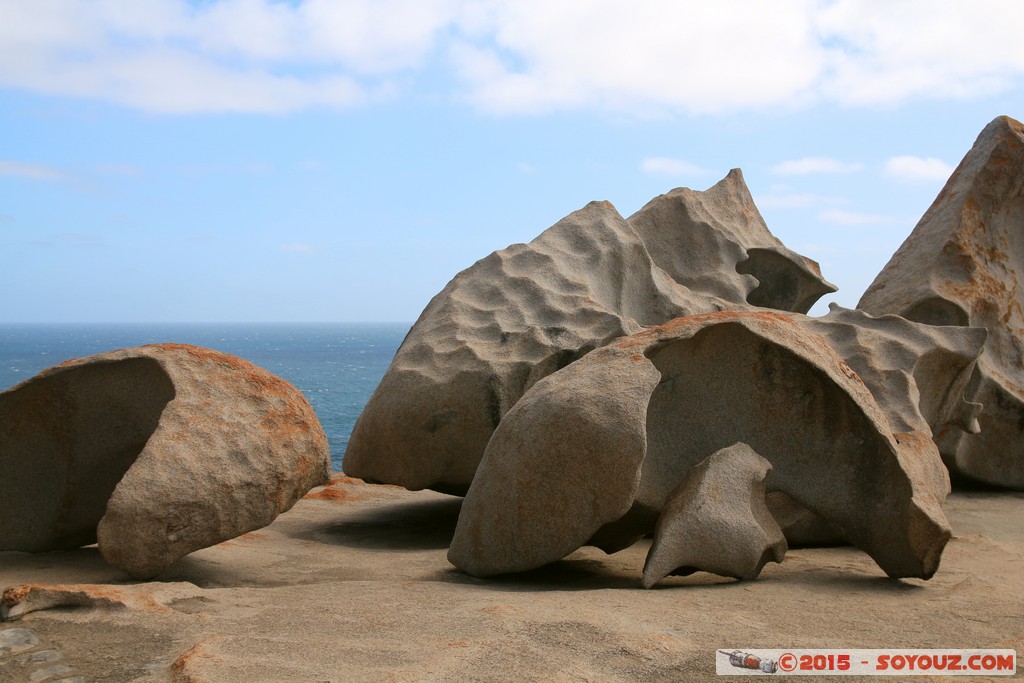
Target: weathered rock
{"x":713,"y":241}
{"x":916,"y":373}
{"x":155,"y":452}
{"x":16,"y":640}
{"x":962,"y":265}
{"x":17,"y":601}
{"x":716,"y":520}
{"x":692,"y":387}
{"x":528,"y":310}
{"x":801,"y":527}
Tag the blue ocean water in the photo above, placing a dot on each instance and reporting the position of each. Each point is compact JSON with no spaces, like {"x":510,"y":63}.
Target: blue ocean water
{"x":336,"y":365}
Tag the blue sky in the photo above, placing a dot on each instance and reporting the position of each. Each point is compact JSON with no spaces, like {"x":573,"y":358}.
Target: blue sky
{"x":249,"y":160}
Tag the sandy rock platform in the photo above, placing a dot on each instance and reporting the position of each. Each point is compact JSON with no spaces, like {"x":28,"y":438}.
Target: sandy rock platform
{"x":353,"y":585}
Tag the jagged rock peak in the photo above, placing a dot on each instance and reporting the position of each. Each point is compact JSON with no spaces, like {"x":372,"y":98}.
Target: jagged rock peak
{"x":962,"y":265}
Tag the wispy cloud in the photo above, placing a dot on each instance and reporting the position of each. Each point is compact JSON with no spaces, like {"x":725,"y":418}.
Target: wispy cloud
{"x":854,"y":218}
{"x":669,"y":166}
{"x":918,"y":168}
{"x":18,"y":169}
{"x":809,"y":165}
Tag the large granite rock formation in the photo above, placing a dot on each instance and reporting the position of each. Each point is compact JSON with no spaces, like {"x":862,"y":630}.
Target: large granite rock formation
{"x":916,"y":373}
{"x":155,"y":452}
{"x":714,"y":241}
{"x":592,"y":453}
{"x":716,"y":520}
{"x":962,"y":265}
{"x":524,"y":312}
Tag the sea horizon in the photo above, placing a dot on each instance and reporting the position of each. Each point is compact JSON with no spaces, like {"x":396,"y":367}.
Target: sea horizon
{"x":336,"y":365}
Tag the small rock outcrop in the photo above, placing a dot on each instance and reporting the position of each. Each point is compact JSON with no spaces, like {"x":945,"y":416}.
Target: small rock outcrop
{"x":524,"y":312}
{"x":154,"y":452}
{"x":592,"y":453}
{"x":962,"y":266}
{"x":716,"y":520}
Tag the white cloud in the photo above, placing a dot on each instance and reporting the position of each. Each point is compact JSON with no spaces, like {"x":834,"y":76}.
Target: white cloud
{"x":691,"y":56}
{"x":651,"y":58}
{"x":815,"y":165}
{"x":887,"y":52}
{"x":18,"y":169}
{"x":172,"y":56}
{"x":667,"y":166}
{"x":853,"y":218}
{"x":918,"y":168}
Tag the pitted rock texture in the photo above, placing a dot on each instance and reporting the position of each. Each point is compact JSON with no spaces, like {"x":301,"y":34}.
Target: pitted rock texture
{"x":154,"y":452}
{"x":656,"y":403}
{"x":916,"y":372}
{"x":716,"y":520}
{"x":526,"y":311}
{"x":962,"y":265}
{"x":716,"y":242}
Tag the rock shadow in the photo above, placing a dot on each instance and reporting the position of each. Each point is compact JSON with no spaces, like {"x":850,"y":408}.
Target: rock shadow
{"x":67,"y":437}
{"x":415,"y":525}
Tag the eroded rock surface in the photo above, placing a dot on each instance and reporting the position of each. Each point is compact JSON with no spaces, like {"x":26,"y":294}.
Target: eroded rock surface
{"x":692,"y":387}
{"x":962,"y":265}
{"x":716,"y":520}
{"x":714,"y":241}
{"x":917,"y":374}
{"x":153,"y":452}
{"x":524,"y":312}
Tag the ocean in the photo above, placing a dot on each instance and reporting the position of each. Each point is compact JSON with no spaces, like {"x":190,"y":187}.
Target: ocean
{"x":335,"y":365}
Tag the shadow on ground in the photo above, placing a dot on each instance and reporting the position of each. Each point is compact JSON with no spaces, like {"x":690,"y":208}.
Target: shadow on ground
{"x":414,"y":525}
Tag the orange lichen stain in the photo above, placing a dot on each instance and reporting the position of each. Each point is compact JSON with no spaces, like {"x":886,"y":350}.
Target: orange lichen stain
{"x":180,"y":667}
{"x":253,"y":374}
{"x":459,"y":643}
{"x":848,"y":371}
{"x":335,"y":495}
{"x":340,"y":489}
{"x":81,"y":595}
{"x":679,"y":326}
{"x":342,"y":478}
{"x":15,"y":594}
{"x":813,"y":265}
{"x":251,"y":536}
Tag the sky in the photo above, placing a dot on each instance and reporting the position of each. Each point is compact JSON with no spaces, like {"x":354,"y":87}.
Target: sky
{"x":342,"y":160}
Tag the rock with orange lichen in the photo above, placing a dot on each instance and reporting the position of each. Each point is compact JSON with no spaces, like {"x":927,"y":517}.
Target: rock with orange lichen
{"x":591,"y":454}
{"x":524,"y":312}
{"x":154,"y":452}
{"x":17,"y":601}
{"x":963,"y":265}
